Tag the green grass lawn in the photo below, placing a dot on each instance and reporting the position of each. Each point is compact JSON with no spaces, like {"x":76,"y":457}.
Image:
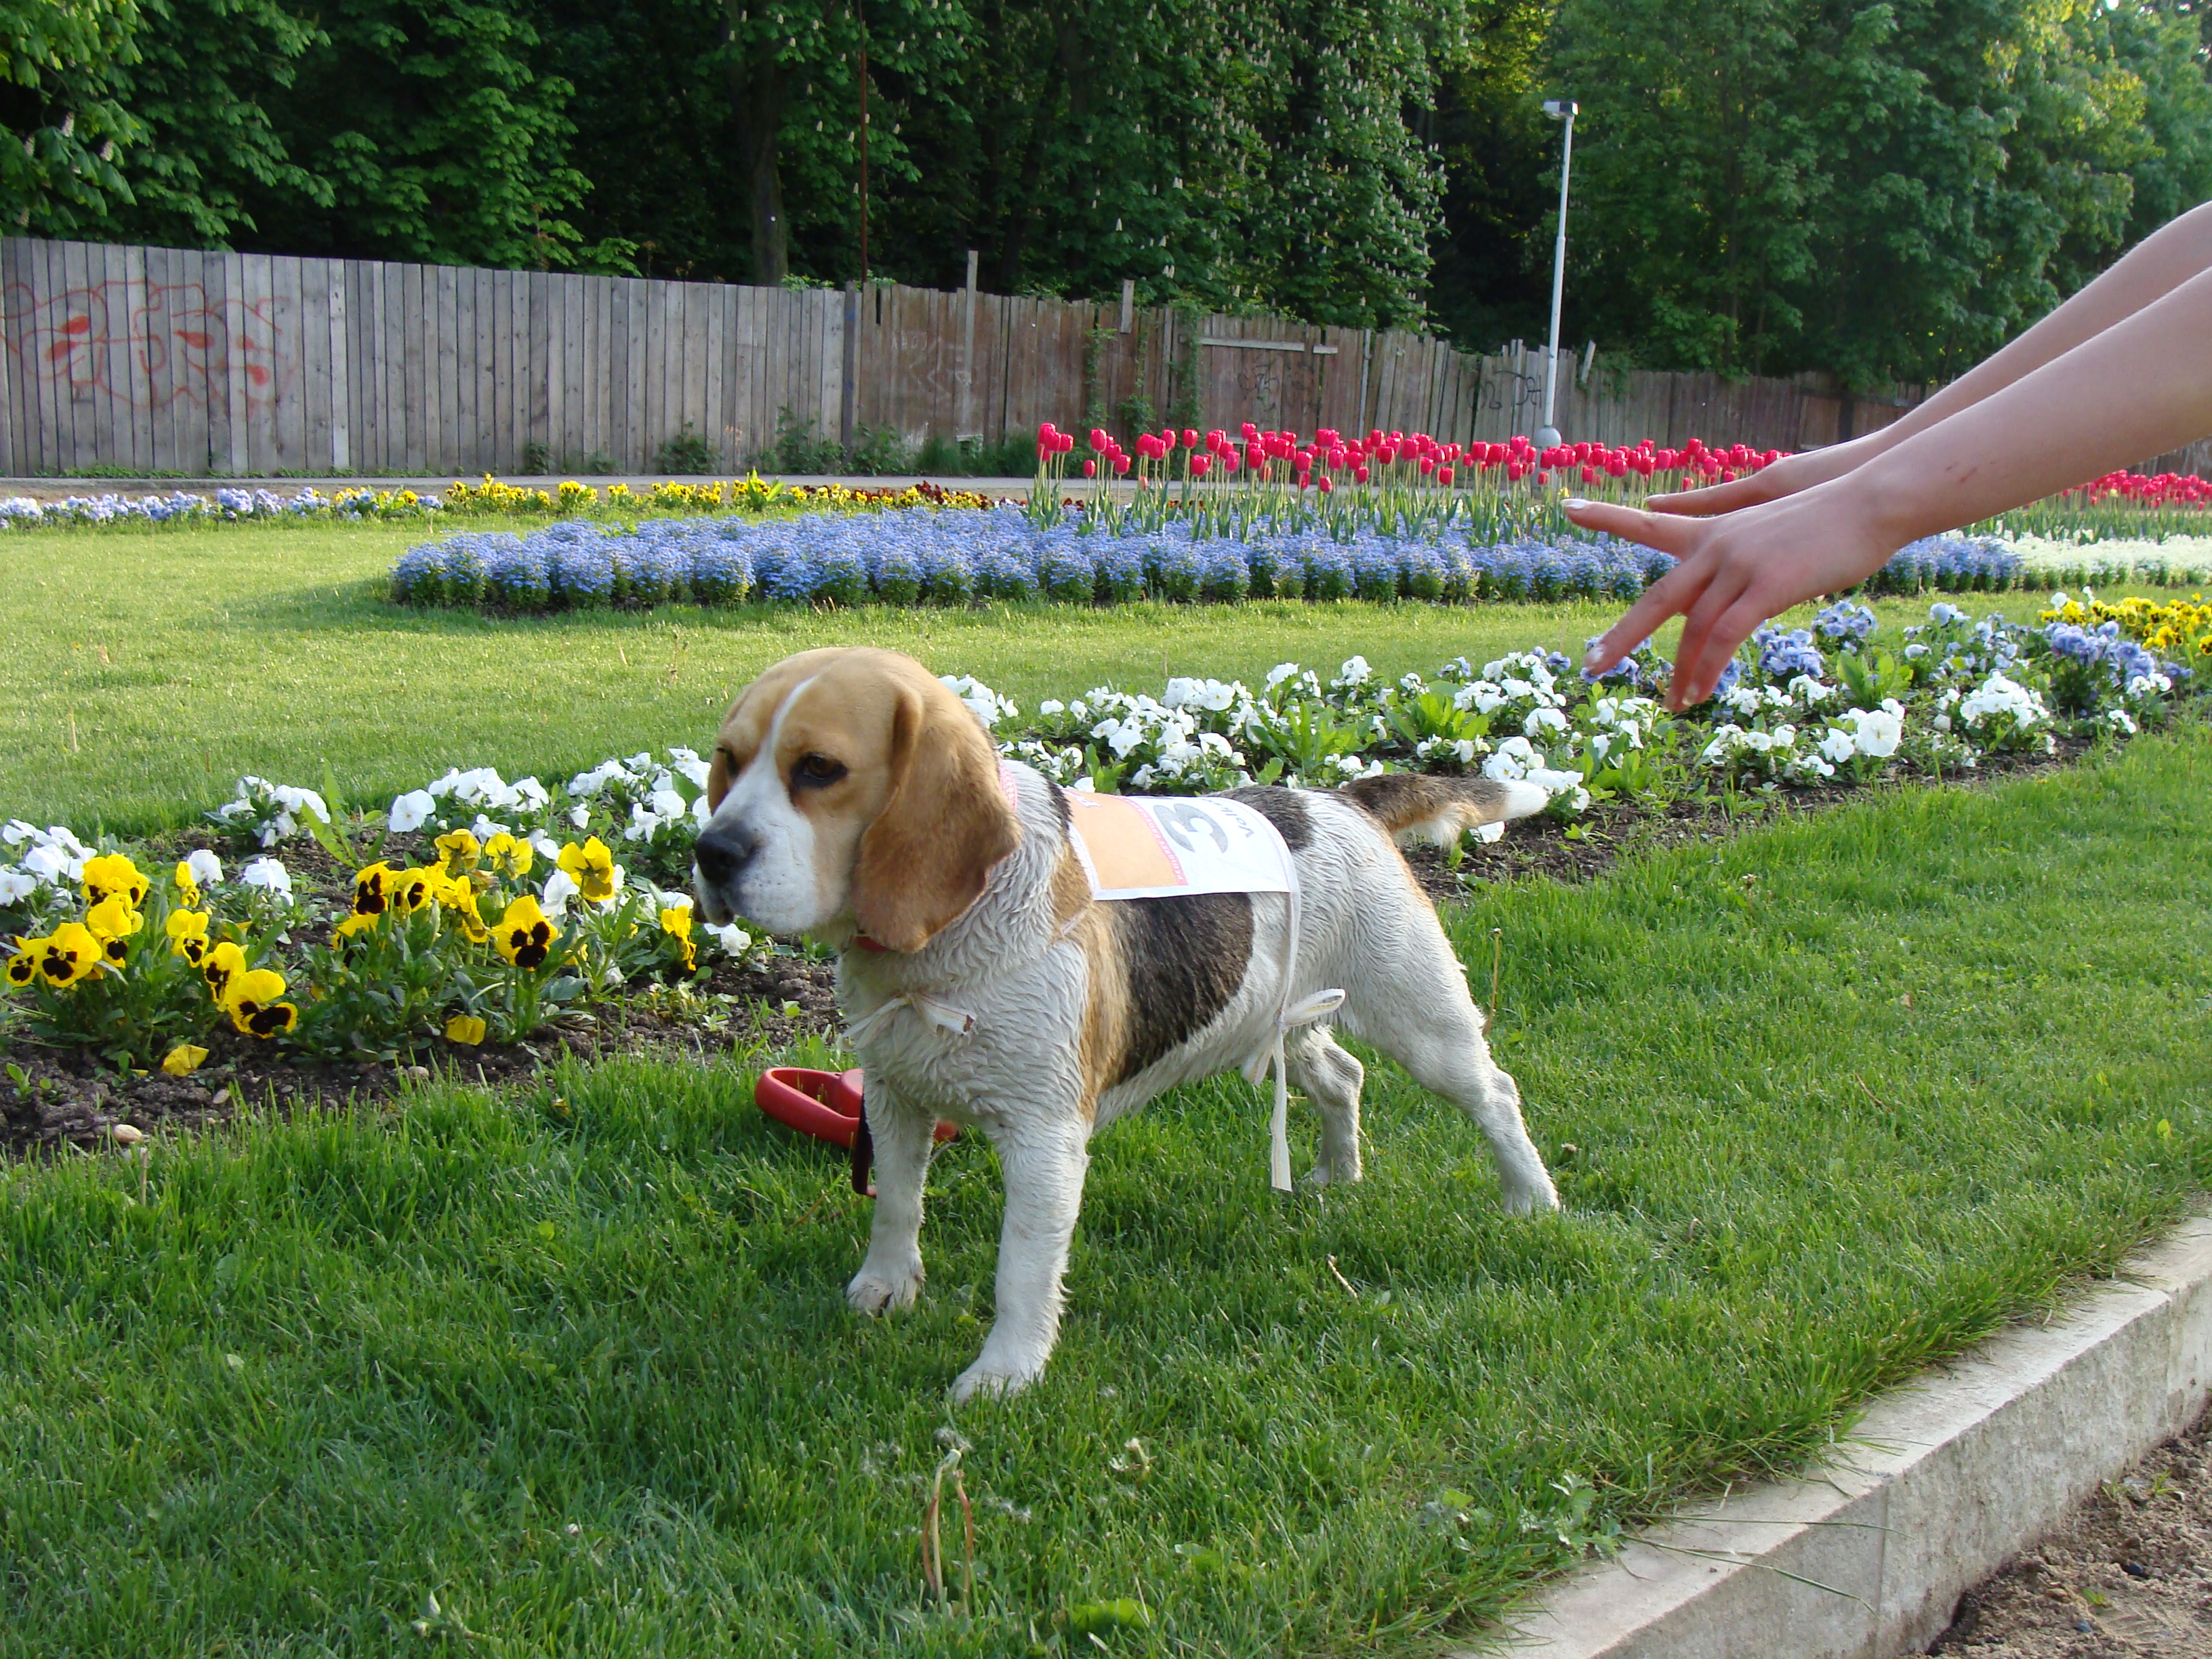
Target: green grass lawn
{"x":1843,"y":1094}
{"x":147,"y":670}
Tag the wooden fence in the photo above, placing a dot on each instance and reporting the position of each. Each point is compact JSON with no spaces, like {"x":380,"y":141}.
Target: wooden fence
{"x":239,"y":364}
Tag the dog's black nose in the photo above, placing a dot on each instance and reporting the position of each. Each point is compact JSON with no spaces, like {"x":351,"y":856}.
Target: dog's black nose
{"x":723,"y":853}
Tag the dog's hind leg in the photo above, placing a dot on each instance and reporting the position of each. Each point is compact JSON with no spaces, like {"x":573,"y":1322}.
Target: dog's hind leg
{"x":1044,"y":1167}
{"x":1414,"y":1005}
{"x":890,"y":1275}
{"x":1331,"y":1079}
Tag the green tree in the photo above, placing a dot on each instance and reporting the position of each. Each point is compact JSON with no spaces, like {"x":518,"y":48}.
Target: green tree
{"x":61,"y":121}
{"x":200,"y":87}
{"x":440,"y":131}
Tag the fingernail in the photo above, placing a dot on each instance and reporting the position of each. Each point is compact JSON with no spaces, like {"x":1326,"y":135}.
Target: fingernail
{"x":1575,"y":503}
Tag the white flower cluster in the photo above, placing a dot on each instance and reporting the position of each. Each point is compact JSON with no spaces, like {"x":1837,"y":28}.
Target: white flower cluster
{"x":481,"y":789}
{"x":986,"y":705}
{"x":2002,"y":713}
{"x":55,"y":859}
{"x":648,"y":790}
{"x":271,"y":813}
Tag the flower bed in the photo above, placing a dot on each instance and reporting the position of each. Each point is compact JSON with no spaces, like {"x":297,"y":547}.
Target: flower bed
{"x":954,"y":556}
{"x":518,"y":901}
{"x":491,"y":498}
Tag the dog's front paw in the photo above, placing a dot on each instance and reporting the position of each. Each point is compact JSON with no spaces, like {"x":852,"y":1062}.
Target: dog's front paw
{"x":875,"y":1289}
{"x":1534,"y":1198}
{"x":992,"y":1380}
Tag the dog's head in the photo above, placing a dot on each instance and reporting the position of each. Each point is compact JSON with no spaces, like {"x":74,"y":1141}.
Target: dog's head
{"x":849,"y":786}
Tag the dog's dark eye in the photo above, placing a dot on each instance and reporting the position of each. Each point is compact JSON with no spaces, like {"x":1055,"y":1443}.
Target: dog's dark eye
{"x":815,"y":772}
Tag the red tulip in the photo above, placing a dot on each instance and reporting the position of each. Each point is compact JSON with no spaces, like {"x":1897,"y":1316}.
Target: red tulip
{"x":1090,"y":469}
{"x":1199,"y":465}
{"x":1326,"y":486}
{"x":1190,"y":437}
{"x":1098,"y":438}
{"x":1445,"y":476}
{"x":1359,"y":475}
{"x":1120,"y":465}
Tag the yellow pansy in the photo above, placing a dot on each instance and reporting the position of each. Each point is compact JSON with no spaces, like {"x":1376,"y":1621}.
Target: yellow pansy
{"x":462,"y":902}
{"x":356,"y":923}
{"x":464,"y":1028}
{"x":372,"y":890}
{"x":416,"y":889}
{"x":188,"y":935}
{"x":676,"y":922}
{"x":509,"y":854}
{"x":105,"y":878}
{"x":457,"y":851}
{"x":251,"y":1003}
{"x":185,"y":1057}
{"x":71,"y":953}
{"x":592,"y":867}
{"x":23,"y":965}
{"x":112,"y":921}
{"x":222,"y":963}
{"x":526,"y":933}
{"x":188,"y":887}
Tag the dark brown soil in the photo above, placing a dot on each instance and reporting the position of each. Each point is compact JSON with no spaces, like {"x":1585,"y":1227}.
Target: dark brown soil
{"x":2130,"y":1574}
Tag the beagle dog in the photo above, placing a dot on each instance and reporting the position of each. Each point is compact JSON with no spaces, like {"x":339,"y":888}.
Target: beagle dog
{"x":856,"y":798}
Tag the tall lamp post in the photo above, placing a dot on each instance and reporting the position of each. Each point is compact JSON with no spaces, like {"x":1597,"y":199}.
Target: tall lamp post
{"x":1560,"y":109}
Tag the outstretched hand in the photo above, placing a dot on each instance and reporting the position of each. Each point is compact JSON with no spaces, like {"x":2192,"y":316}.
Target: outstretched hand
{"x":1770,"y":484}
{"x":1733,"y":571}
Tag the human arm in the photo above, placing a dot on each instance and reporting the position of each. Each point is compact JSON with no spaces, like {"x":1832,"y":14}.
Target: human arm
{"x":2170,"y":256}
{"x":2141,"y":387}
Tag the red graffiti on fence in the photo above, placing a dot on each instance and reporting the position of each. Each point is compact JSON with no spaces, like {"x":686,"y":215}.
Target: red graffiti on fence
{"x":186,"y":344}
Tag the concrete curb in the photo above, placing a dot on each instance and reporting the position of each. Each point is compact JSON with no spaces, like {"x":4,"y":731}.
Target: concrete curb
{"x":1944,"y":1481}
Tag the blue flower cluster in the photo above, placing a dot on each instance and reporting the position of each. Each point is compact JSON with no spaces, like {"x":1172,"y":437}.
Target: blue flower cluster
{"x":955,"y":555}
{"x":2104,"y":647}
{"x":1950,"y":564}
{"x":1782,"y":656}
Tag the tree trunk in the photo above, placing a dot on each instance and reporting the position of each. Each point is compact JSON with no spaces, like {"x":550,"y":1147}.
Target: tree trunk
{"x":758,"y":93}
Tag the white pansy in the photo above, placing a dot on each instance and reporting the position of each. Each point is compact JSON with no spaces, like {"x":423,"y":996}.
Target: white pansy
{"x":485,"y":828}
{"x":545,"y":846}
{"x":702,"y":810}
{"x":1512,"y":760}
{"x":1544,"y":719}
{"x":206,"y":868}
{"x":1279,"y":673}
{"x":732,"y":940}
{"x":1810,"y":691}
{"x":410,"y":810}
{"x":2118,"y":719}
{"x":16,"y":885}
{"x":269,"y":874}
{"x":687,"y":761}
{"x":1877,"y":731}
{"x":16,"y":832}
{"x":48,"y":863}
{"x":1494,"y":830}
{"x":560,"y":888}
{"x":669,"y":804}
{"x":580,"y":814}
{"x":1838,"y":744}
{"x":1355,"y":671}
{"x":986,"y":705}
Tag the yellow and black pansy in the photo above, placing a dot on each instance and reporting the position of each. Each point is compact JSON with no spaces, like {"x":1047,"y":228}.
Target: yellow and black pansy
{"x":457,"y":851}
{"x":526,"y":933}
{"x":188,"y":935}
{"x":253,"y":1006}
{"x":372,"y":890}
{"x":115,"y":876}
{"x":592,"y":867}
{"x":222,"y":963}
{"x":71,"y":953}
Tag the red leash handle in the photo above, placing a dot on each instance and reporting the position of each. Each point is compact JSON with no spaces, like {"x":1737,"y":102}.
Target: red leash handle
{"x":827,"y":1105}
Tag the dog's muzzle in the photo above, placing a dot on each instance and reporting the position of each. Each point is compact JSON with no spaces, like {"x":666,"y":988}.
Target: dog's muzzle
{"x":719,"y":858}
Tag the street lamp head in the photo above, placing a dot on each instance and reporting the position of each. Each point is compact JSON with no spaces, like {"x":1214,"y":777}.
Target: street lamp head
{"x":1561,"y":109}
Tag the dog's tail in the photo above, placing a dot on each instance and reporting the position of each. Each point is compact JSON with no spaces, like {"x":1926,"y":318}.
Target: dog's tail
{"x":1416,"y":806}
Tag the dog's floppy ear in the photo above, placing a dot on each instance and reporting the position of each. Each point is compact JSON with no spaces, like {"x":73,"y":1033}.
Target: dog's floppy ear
{"x":718,"y":778}
{"x":945,"y":823}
